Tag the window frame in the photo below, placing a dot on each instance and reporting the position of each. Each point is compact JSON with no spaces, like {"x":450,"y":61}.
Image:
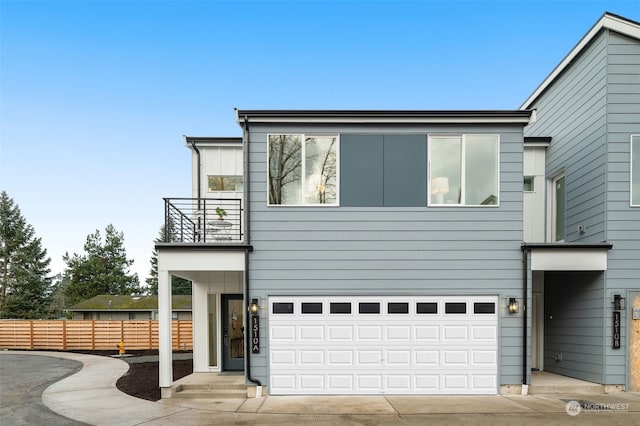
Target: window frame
{"x":631,"y":142}
{"x":303,"y":176}
{"x":553,"y":214}
{"x":533,"y":184}
{"x":463,"y":141}
{"x":223,"y":177}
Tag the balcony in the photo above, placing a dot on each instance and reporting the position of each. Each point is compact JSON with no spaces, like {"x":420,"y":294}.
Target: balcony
{"x":203,"y":220}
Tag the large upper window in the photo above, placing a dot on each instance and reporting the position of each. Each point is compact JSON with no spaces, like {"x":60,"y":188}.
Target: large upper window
{"x":463,"y":170}
{"x":635,"y":170}
{"x":303,"y":169}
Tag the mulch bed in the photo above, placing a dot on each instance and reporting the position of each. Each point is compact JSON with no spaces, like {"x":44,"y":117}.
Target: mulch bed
{"x":142,"y":379}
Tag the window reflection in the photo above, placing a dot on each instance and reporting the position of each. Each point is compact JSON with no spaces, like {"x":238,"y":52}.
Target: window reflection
{"x":303,"y":173}
{"x":464,"y":170}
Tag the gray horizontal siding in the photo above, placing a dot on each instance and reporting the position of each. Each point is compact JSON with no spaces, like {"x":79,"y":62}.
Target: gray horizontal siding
{"x":392,"y":250}
{"x":573,"y":112}
{"x":623,"y":221}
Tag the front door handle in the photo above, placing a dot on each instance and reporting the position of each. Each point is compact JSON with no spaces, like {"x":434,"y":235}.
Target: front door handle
{"x":226,"y":338}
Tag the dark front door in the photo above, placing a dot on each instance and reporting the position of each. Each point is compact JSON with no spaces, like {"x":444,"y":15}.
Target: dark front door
{"x":232,"y":332}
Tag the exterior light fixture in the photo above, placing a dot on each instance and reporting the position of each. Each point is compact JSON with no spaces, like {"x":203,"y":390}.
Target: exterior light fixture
{"x":254,"y":307}
{"x":514,"y":307}
{"x":619,"y":302}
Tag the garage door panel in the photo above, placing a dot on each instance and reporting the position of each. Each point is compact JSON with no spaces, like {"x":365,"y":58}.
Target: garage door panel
{"x":427,"y":383}
{"x":311,"y":358}
{"x":426,"y":358}
{"x":455,"y":358}
{"x":339,"y":333}
{"x":454,"y":332}
{"x":410,"y":347}
{"x":338,"y":357}
{"x":311,"y":333}
{"x":340,"y":382}
{"x":455,"y":382}
{"x":430,"y":333}
{"x":398,"y":357}
{"x":285,"y":358}
{"x":368,"y":333}
{"x":398,"y":333}
{"x":369,"y":358}
{"x":484,"y":358}
{"x":484,"y":333}
{"x":369,"y":382}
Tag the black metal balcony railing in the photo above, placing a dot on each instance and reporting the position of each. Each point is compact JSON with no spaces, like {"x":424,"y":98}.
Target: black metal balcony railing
{"x":203,"y":220}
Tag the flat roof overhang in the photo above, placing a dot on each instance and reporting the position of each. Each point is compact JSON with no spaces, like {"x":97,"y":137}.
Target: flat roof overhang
{"x":384,"y":116}
{"x":568,"y":256}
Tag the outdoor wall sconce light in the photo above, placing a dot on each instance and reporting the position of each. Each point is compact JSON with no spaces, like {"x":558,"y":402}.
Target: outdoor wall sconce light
{"x":618,"y":302}
{"x":514,"y":307}
{"x":254,"y":307}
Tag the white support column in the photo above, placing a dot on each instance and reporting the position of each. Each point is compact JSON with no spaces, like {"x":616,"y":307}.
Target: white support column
{"x":165,"y":351}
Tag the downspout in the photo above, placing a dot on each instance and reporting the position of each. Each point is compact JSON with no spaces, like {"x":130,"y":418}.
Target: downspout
{"x":195,"y":148}
{"x":525,"y":282}
{"x":247,"y":239}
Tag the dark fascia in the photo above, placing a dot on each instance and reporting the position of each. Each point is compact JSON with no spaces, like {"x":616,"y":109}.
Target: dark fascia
{"x":200,"y":247}
{"x":209,"y":140}
{"x":537,"y":139}
{"x":384,"y":116}
{"x":567,"y":246}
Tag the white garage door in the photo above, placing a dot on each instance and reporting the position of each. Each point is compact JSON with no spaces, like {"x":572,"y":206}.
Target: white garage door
{"x":383,"y":345}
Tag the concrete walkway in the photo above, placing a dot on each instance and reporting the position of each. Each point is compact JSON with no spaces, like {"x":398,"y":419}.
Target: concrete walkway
{"x":91,"y":396}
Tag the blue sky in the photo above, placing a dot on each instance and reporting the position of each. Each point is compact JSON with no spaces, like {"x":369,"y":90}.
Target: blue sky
{"x":96,"y":95}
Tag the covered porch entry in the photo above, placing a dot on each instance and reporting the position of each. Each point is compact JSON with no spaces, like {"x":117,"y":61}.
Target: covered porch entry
{"x":568,"y":310}
{"x":217,"y":277}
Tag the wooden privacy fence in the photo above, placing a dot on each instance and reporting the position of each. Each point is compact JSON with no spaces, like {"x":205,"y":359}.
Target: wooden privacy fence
{"x":90,"y":334}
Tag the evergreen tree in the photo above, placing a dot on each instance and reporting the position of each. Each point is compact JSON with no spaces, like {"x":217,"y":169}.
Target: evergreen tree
{"x":25,"y":287}
{"x":178,"y":285}
{"x":103,"y":269}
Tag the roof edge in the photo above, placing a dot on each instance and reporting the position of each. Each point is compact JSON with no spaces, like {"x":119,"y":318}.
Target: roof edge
{"x":384,"y":116}
{"x":567,"y":246}
{"x":608,"y":20}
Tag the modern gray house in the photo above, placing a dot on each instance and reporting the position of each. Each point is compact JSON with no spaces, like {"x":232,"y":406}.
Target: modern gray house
{"x":588,"y":263}
{"x":397,"y":252}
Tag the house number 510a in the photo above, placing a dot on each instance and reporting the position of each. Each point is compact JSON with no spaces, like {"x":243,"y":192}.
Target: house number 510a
{"x":255,"y":334}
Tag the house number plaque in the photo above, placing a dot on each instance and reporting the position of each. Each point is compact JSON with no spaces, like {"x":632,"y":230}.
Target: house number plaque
{"x":255,"y":334}
{"x":616,"y":329}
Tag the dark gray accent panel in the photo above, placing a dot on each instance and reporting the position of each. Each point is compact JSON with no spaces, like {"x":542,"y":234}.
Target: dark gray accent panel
{"x":361,"y":170}
{"x":405,"y":170}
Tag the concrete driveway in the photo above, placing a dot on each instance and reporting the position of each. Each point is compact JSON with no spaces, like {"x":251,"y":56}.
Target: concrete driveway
{"x":23,"y":378}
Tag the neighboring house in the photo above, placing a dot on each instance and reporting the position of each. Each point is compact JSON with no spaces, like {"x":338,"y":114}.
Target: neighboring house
{"x":109,"y":307}
{"x":588,"y":115}
{"x":396,"y":251}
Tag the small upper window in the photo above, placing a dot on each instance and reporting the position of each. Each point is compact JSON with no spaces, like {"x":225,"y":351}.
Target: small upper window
{"x":225,"y":183}
{"x":369,"y":308}
{"x":463,"y":170}
{"x":455,"y":308}
{"x":303,"y":170}
{"x":635,"y":170}
{"x":340,"y":308}
{"x":529,"y":184}
{"x":283,"y":308}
